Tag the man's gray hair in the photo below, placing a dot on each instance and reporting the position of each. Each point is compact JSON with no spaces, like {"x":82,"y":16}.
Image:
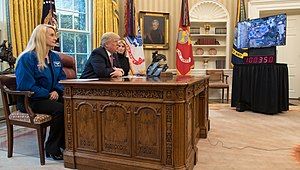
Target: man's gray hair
{"x":107,"y":37}
{"x":155,"y":20}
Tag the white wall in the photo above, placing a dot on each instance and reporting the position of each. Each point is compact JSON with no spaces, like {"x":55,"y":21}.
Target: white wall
{"x":256,"y":6}
{"x":2,"y":20}
{"x":3,"y":28}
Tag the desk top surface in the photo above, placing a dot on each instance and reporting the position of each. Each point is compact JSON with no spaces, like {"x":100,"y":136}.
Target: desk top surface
{"x":138,"y":80}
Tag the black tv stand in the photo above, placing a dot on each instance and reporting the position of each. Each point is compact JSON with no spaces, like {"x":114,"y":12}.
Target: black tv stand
{"x":265,"y":55}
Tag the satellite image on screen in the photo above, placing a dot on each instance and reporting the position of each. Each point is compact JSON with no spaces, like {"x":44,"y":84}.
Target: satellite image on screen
{"x":262,"y":32}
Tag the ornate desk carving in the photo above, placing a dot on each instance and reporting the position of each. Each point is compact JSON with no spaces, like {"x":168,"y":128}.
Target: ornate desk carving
{"x":135,"y":123}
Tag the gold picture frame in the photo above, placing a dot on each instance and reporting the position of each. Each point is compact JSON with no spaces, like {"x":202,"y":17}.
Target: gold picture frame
{"x":155,"y":29}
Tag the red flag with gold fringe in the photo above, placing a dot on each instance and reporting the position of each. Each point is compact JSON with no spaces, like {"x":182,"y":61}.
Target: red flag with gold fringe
{"x":184,"y":52}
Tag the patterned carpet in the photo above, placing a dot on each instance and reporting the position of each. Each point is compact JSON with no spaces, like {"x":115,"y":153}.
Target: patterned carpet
{"x":248,"y":140}
{"x":24,"y":138}
{"x":236,"y":140}
{"x":292,"y":108}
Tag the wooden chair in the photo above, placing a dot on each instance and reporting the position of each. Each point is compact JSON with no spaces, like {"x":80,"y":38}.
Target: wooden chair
{"x":14,"y":117}
{"x":218,"y":80}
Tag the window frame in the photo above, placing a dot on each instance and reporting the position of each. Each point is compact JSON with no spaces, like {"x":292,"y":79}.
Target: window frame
{"x":87,"y":32}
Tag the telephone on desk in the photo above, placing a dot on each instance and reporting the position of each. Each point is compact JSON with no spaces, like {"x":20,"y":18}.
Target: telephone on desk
{"x":156,"y":67}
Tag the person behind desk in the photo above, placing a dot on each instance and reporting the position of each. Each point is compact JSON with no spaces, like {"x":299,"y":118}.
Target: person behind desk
{"x":154,"y":35}
{"x":103,"y":61}
{"x":39,"y":70}
{"x":125,"y":62}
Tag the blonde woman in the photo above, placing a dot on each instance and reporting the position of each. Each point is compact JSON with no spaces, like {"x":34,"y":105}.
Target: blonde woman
{"x":125,"y":63}
{"x":39,"y":70}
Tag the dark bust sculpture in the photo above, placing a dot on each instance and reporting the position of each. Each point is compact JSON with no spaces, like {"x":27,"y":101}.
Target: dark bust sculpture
{"x":7,"y":55}
{"x":157,"y":65}
{"x":157,"y":57}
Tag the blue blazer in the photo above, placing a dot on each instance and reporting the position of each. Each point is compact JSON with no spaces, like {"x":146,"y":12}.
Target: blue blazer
{"x":98,"y":65}
{"x":28,"y":76}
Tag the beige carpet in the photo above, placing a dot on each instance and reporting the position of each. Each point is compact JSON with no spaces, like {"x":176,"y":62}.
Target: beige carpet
{"x":248,"y":140}
{"x":236,"y":141}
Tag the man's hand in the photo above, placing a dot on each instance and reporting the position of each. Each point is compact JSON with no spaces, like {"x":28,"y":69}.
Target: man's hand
{"x":118,"y":72}
{"x":54,"y":96}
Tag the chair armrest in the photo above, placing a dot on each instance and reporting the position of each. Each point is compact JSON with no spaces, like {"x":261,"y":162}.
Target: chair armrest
{"x":226,"y":78}
{"x":17,"y":92}
{"x":26,"y":95}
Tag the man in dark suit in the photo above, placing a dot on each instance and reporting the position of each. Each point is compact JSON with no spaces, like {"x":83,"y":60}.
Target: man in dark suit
{"x":103,"y":62}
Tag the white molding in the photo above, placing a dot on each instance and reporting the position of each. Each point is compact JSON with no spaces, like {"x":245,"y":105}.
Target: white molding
{"x":256,"y":6}
{"x":271,"y":1}
{"x":209,"y":10}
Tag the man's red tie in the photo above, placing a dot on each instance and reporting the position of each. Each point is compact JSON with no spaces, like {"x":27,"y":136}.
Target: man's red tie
{"x":111,"y":59}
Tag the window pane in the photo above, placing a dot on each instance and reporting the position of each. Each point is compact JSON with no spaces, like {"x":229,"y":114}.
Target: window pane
{"x":67,"y":4}
{"x":79,"y":5}
{"x":80,"y":22}
{"x":81,"y":43}
{"x":58,"y":4}
{"x":81,"y":60}
{"x":68,"y":42}
{"x":66,"y":20}
{"x":75,"y":36}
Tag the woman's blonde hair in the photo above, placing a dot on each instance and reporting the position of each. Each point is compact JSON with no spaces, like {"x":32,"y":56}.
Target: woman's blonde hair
{"x":124,"y":43}
{"x":37,"y":43}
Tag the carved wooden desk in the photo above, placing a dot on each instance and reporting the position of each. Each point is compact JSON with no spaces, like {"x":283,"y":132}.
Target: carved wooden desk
{"x":135,"y":123}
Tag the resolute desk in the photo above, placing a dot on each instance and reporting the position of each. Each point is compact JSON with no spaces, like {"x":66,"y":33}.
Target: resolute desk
{"x":261,"y":88}
{"x":135,"y":123}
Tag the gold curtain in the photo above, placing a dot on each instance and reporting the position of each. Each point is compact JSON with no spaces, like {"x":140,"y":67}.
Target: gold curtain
{"x":115,"y":16}
{"x":25,"y":15}
{"x":104,"y":19}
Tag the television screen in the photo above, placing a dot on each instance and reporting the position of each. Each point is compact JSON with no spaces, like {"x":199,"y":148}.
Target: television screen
{"x":262,"y":32}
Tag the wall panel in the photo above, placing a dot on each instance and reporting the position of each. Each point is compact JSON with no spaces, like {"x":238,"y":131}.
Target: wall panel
{"x":173,"y":8}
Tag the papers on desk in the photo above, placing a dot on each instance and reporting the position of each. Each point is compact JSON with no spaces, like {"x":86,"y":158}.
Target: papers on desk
{"x":132,"y":76}
{"x":94,"y":79}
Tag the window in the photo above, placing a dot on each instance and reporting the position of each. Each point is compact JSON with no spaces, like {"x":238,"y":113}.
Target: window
{"x":74,"y":29}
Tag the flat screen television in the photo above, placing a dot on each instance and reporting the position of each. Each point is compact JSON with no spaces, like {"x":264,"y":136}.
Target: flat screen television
{"x":262,"y":32}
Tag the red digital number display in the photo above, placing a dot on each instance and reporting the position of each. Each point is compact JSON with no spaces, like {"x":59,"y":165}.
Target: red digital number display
{"x":259,"y":59}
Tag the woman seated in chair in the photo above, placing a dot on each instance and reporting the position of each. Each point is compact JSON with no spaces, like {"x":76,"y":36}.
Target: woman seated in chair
{"x":39,"y":70}
{"x":125,"y":62}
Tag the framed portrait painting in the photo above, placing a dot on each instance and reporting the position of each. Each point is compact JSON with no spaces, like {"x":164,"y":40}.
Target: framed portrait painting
{"x":155,"y":29}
